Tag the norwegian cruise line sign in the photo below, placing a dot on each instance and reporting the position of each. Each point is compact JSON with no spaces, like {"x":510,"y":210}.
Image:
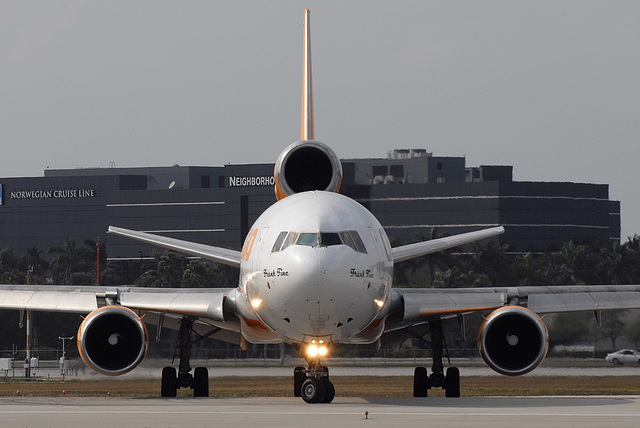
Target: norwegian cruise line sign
{"x":50,"y":193}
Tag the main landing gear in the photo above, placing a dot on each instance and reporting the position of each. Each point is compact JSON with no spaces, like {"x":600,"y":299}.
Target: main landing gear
{"x":172,"y":380}
{"x":422,"y":382}
{"x":312,"y":383}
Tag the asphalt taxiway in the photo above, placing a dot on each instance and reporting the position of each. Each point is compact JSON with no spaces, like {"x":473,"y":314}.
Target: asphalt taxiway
{"x":585,"y":412}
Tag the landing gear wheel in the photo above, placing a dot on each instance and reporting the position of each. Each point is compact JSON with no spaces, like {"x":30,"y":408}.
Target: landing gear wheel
{"x":200,"y":382}
{"x":329,"y":391}
{"x":299,"y":376}
{"x":169,"y":386}
{"x":312,"y":390}
{"x":420,"y":382}
{"x":452,"y":383}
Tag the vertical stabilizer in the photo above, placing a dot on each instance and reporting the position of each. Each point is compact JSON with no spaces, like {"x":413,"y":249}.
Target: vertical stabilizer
{"x":307,"y":90}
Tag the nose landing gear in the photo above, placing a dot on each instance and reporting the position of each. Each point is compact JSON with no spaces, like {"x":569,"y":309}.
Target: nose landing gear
{"x":312,"y":383}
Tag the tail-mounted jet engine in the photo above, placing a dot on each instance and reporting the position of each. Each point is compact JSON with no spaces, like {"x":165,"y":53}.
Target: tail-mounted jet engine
{"x":307,"y":165}
{"x":113,"y":340}
{"x":513,"y":340}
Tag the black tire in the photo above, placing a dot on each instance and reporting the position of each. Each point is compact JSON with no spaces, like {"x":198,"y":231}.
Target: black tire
{"x":299,"y":376}
{"x":312,"y":390}
{"x":420,"y":382}
{"x":616,"y":362}
{"x":169,"y":387}
{"x":200,"y":382}
{"x":452,"y":383}
{"x":329,"y":391}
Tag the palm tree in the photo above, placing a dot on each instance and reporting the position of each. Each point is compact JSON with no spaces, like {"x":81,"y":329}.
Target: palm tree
{"x":170,"y":269}
{"x":493,"y":261}
{"x":73,"y":265}
{"x":616,"y":264}
{"x":574,"y":265}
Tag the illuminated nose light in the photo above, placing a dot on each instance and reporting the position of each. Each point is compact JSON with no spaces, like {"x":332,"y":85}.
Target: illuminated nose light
{"x":379,"y":302}
{"x":314,"y":350}
{"x":255,"y":303}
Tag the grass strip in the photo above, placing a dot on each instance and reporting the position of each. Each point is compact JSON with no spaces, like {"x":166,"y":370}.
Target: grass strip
{"x":346,"y":386}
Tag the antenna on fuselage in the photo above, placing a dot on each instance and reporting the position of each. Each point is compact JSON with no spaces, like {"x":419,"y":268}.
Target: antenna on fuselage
{"x":307,"y":90}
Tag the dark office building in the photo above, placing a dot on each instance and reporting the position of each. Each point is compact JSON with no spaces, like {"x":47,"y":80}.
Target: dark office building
{"x":413,"y":193}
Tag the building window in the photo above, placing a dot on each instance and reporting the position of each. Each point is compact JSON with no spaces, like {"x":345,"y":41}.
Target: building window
{"x":379,"y":170}
{"x":205,"y":181}
{"x":397,"y":170}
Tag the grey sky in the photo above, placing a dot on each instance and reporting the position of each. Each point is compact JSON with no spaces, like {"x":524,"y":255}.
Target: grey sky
{"x":550,"y":87}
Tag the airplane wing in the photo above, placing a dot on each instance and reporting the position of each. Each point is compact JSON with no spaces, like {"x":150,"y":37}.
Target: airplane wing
{"x":410,"y":251}
{"x":197,"y":302}
{"x":418,"y":305}
{"x":216,"y":254}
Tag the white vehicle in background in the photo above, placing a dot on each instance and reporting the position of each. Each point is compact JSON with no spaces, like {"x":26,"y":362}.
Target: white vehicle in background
{"x":623,"y":356}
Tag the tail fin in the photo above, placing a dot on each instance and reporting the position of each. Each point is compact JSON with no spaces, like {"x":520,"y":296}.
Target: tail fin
{"x":307,"y":164}
{"x":307,"y":90}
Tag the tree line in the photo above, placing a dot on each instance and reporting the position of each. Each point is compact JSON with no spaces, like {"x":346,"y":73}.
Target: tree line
{"x":486,"y":264}
{"x":73,"y":264}
{"x":494,"y":265}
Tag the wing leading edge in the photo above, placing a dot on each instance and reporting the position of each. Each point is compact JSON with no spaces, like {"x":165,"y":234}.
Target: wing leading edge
{"x":422,"y":305}
{"x":204,"y":303}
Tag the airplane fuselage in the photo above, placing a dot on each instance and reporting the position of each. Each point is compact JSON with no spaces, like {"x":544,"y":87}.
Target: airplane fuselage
{"x":317,"y":266}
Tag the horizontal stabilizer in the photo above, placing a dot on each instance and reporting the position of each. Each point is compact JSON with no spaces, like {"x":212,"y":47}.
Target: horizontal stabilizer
{"x":216,"y":254}
{"x":406,"y":252}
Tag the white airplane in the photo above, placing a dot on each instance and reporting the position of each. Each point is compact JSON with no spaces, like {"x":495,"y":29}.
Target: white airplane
{"x":316,"y":270}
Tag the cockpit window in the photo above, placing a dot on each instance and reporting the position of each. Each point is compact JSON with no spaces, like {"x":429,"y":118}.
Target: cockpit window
{"x":291,"y":240}
{"x":279,"y":241}
{"x":350,"y":238}
{"x":359,"y":245}
{"x":308,"y":239}
{"x":329,"y":239}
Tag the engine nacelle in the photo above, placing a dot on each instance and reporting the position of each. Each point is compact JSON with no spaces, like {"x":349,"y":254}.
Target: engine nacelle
{"x":513,"y":340}
{"x":113,"y":340}
{"x":307,"y":165}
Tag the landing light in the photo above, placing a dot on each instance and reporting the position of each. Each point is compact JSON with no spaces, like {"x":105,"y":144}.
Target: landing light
{"x":379,"y":302}
{"x":314,"y":350}
{"x":256,"y":303}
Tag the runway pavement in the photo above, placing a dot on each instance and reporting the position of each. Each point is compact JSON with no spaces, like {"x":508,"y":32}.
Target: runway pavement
{"x":550,"y":367}
{"x":583,"y":412}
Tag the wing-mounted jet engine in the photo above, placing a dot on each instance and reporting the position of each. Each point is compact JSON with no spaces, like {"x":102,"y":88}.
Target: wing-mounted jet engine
{"x":513,"y":340}
{"x":113,"y":340}
{"x":307,"y":165}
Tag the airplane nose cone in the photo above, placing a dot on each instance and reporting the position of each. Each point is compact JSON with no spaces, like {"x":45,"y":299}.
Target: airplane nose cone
{"x":317,"y":296}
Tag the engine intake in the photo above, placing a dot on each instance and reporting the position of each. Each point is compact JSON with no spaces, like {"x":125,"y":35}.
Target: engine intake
{"x":113,"y":340}
{"x":513,"y":340}
{"x":307,"y":165}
